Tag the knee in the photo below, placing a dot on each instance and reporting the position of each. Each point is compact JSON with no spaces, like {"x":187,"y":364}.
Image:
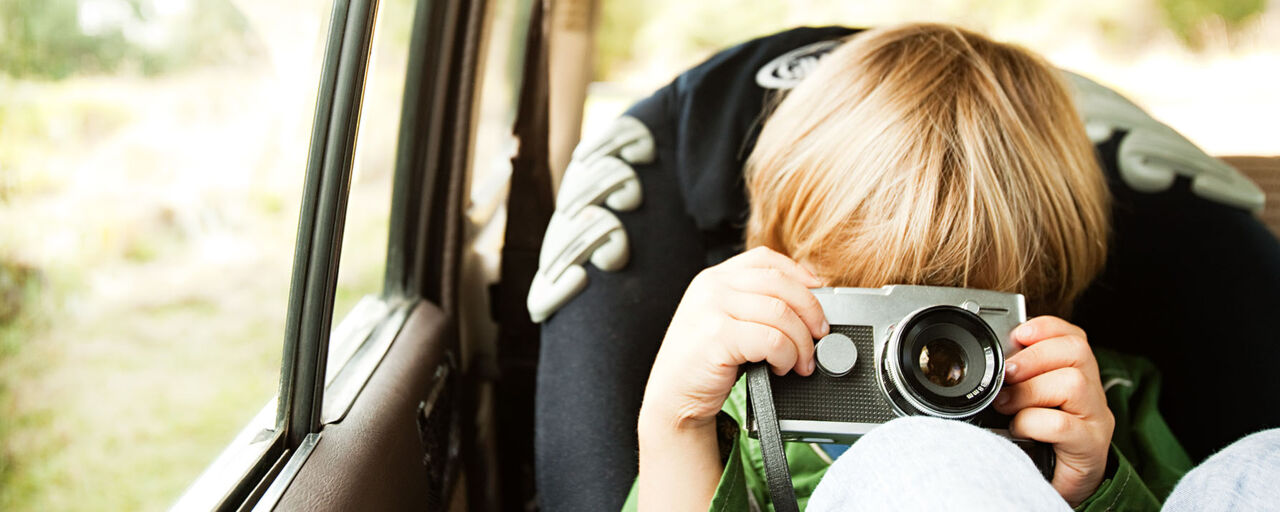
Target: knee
{"x":923,"y":444}
{"x":1240,"y":477}
{"x":927,"y":438}
{"x":923,"y":463}
{"x":1261,"y":446}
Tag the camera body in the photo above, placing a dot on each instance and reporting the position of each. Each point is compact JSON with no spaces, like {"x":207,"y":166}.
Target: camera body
{"x":903,"y":350}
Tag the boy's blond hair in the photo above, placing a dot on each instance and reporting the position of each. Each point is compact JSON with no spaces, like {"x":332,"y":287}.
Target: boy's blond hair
{"x":928,"y":154}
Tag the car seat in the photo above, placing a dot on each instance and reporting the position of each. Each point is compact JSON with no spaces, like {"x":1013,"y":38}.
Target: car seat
{"x":1192,"y":279}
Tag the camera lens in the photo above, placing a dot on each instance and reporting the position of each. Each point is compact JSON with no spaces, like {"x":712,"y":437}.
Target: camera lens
{"x":943,"y":361}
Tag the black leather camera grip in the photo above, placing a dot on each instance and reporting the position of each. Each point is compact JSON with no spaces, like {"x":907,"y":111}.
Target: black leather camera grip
{"x":1041,"y":455}
{"x":781,"y":492}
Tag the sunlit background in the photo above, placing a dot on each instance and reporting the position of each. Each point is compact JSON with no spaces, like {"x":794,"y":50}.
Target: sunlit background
{"x":1209,"y":68}
{"x":152,"y":155}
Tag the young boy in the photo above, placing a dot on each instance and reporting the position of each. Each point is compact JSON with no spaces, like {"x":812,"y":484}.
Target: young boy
{"x":919,"y":154}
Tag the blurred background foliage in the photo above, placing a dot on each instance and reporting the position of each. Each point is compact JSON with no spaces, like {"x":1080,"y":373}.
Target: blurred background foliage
{"x":151,"y":156}
{"x":631,"y":30}
{"x":1192,"y":20}
{"x":55,"y":39}
{"x":151,"y":160}
{"x":1206,"y":67}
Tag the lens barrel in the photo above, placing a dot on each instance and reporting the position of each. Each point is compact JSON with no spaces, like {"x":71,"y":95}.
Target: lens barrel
{"x":942,"y":361}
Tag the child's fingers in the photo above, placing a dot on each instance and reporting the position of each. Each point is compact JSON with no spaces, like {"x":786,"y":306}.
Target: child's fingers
{"x":1080,"y":445}
{"x":1043,"y":328}
{"x":771,"y":282}
{"x":1046,"y":425}
{"x":1067,"y":388}
{"x":776,"y":313}
{"x":1061,"y":352}
{"x":763,"y":257}
{"x":752,"y":343}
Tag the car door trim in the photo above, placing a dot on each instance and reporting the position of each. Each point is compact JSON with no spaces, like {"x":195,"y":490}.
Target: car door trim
{"x":321,"y":222}
{"x":281,"y":483}
{"x":351,"y":376}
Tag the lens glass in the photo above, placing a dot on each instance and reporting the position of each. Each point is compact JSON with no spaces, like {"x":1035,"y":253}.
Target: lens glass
{"x":942,"y":361}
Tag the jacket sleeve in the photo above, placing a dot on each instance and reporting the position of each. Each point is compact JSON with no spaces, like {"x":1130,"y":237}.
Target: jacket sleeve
{"x":1121,"y":489}
{"x":1146,"y":460}
{"x":742,"y":485}
{"x":731,"y":492}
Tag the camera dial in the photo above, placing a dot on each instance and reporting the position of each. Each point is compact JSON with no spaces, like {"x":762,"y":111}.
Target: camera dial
{"x":836,"y":354}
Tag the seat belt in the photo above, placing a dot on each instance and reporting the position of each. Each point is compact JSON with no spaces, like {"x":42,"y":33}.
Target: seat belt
{"x":529,"y":207}
{"x":781,"y":492}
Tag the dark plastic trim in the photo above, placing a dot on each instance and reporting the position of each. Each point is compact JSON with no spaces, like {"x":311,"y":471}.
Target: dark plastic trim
{"x":307,"y":214}
{"x":321,"y":222}
{"x":271,"y":495}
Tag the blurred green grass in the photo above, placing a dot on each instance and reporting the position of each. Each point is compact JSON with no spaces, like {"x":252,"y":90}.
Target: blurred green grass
{"x":146,"y":235}
{"x":135,"y":358}
{"x":151,"y":220}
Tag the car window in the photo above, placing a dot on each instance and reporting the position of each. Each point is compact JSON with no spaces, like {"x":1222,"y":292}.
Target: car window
{"x":362,"y":267}
{"x":364,"y":240}
{"x":151,"y":167}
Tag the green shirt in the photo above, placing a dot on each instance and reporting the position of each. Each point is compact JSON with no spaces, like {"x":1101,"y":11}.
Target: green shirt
{"x":1145,"y":462}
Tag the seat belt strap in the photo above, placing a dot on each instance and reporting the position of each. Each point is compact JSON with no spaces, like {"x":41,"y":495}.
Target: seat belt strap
{"x":529,"y":207}
{"x":781,"y":492}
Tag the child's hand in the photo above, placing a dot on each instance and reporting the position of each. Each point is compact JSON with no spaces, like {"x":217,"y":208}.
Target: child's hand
{"x":1053,"y":390}
{"x":753,"y":307}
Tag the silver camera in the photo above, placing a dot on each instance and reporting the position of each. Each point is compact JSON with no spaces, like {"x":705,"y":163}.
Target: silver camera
{"x":903,"y":350}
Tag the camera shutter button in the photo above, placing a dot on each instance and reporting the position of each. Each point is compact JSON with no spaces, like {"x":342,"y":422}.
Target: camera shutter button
{"x":836,"y":354}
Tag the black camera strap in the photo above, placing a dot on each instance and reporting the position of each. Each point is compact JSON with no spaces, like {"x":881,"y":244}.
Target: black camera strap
{"x":776,"y":471}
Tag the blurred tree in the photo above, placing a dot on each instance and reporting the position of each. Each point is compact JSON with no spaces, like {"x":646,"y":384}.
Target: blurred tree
{"x":49,"y":38}
{"x":1191,"y":19}
{"x":43,"y":38}
{"x":207,"y":32}
{"x":616,"y":35}
{"x":658,"y":34}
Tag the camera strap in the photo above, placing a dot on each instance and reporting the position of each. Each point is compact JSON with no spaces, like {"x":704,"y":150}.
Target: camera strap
{"x":781,"y":492}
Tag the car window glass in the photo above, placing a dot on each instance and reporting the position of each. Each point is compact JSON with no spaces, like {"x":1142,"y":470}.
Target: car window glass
{"x":364,"y":241}
{"x":151,"y":166}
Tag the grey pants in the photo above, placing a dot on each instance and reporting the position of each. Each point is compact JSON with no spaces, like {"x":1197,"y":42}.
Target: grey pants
{"x":920,"y":463}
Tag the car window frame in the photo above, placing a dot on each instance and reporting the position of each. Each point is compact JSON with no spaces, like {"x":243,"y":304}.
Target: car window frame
{"x":256,"y":467}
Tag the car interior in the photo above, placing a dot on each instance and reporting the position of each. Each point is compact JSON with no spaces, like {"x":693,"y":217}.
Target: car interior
{"x":452,"y":392}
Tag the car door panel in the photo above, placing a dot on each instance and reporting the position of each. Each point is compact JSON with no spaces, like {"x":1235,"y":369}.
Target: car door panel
{"x":374,"y":458}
